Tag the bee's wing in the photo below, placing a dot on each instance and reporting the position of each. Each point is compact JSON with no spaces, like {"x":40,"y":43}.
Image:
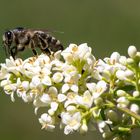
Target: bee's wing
{"x":38,"y":30}
{"x":47,"y":31}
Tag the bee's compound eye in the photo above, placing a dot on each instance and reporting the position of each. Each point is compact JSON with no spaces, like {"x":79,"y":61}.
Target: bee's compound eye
{"x":8,"y":35}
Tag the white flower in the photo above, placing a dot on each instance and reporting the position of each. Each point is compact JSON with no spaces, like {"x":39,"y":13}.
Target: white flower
{"x":109,"y":66}
{"x":85,"y":100}
{"x":46,"y":80}
{"x":90,"y":64}
{"x":54,"y":107}
{"x":29,"y":70}
{"x":10,"y":90}
{"x":97,"y":89}
{"x":53,"y":92}
{"x":71,"y":99}
{"x":69,"y":70}
{"x":83,"y":51}
{"x":74,"y":52}
{"x":71,"y":109}
{"x":72,"y":121}
{"x":71,"y":78}
{"x":132,"y":51}
{"x":3,"y":73}
{"x":61,"y":97}
{"x":74,"y":88}
{"x":36,"y":81}
{"x":10,"y":62}
{"x":66,"y":87}
{"x":6,"y":80}
{"x":57,"y":65}
{"x":57,"y":77}
{"x":103,"y":126}
{"x":68,"y":53}
{"x":42,"y":60}
{"x":47,"y":122}
{"x":71,"y":83}
{"x":91,"y":86}
{"x":22,"y":91}
{"x":42,"y":101}
{"x":45,"y":98}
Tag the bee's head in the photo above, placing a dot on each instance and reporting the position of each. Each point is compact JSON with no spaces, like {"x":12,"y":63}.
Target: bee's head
{"x":8,"y":38}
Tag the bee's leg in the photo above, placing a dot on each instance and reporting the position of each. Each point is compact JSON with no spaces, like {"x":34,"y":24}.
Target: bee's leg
{"x":33,"y":48}
{"x":44,"y":46}
{"x":13,"y":52}
{"x":56,"y":47}
{"x":46,"y":51}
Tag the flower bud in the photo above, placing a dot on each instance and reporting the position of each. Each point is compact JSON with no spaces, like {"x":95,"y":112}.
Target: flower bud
{"x":136,"y":94}
{"x":117,"y":138}
{"x":122,"y":60}
{"x":125,"y":118}
{"x":134,"y":108}
{"x":122,"y":102}
{"x":129,"y":74}
{"x":51,"y":112}
{"x":132,"y":51}
{"x":98,"y":101}
{"x":138,"y":55}
{"x":83,"y":128}
{"x":130,"y":61}
{"x":121,"y":93}
{"x":112,"y":116}
{"x":107,"y":135}
{"x":120,"y":75}
{"x":115,"y":57}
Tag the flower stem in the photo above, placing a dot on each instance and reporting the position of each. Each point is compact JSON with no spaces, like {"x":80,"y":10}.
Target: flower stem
{"x":127,"y":111}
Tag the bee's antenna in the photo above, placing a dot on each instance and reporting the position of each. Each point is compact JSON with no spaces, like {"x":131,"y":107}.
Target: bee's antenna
{"x":54,"y":31}
{"x":58,"y":32}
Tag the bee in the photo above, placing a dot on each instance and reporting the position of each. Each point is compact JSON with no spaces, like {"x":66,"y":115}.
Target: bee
{"x":18,"y":39}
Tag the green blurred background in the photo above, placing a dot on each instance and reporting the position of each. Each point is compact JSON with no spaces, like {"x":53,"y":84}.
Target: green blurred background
{"x":106,"y":25}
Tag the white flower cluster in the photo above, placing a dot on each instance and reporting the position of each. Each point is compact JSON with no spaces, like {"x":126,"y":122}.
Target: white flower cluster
{"x":77,"y":90}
